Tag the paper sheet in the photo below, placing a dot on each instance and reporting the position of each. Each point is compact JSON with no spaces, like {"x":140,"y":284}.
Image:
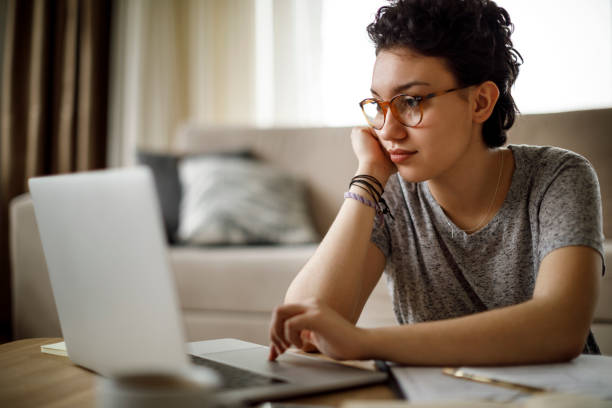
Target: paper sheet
{"x":586,"y":374}
{"x":427,"y":384}
{"x":536,"y":401}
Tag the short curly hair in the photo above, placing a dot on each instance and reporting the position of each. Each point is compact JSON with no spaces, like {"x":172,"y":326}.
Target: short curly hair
{"x":472,"y":36}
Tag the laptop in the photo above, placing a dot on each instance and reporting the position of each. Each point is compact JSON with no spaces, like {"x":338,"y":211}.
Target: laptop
{"x":106,"y":253}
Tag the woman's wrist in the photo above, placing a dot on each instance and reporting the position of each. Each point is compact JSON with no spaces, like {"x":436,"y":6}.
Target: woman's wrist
{"x":381,"y":176}
{"x":368,"y":344}
{"x":380,"y":342}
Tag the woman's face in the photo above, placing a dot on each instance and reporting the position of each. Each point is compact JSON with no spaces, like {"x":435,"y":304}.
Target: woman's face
{"x":446,"y":131}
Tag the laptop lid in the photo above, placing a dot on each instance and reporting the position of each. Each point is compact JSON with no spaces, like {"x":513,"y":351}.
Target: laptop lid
{"x":103,"y":241}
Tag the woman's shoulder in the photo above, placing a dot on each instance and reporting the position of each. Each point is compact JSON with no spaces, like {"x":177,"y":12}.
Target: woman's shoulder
{"x":540,"y":166}
{"x":546,"y":156}
{"x":545,"y":161}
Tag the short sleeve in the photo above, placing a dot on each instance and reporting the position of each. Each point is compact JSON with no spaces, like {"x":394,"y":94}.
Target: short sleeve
{"x":570,"y":209}
{"x":381,"y":236}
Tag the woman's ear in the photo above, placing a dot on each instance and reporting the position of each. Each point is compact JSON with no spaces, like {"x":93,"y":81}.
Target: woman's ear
{"x":485,"y":97}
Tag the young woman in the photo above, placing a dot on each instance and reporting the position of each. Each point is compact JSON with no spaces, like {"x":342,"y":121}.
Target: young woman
{"x":493,"y":254}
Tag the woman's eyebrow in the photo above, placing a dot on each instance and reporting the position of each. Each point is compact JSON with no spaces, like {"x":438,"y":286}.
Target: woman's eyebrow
{"x":404,"y":87}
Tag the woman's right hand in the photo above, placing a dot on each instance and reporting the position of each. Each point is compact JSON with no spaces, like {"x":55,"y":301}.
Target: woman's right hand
{"x":372,"y":156}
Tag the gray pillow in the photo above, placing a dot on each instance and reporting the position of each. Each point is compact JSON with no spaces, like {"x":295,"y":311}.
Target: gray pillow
{"x":229,"y":200}
{"x":165,"y":173}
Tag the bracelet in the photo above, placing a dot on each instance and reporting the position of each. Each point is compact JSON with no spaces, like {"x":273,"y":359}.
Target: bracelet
{"x":364,"y":189}
{"x":371,"y":178}
{"x":364,"y":182}
{"x":361,"y":199}
{"x":364,"y":185}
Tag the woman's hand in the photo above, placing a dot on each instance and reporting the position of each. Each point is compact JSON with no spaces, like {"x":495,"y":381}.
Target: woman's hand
{"x":372,"y":156}
{"x":313,"y":323}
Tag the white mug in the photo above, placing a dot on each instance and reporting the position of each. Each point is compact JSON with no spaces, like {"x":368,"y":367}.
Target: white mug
{"x":150,"y":390}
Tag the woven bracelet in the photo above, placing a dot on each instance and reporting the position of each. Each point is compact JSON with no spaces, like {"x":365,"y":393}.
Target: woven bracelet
{"x":362,"y":200}
{"x":363,"y":181}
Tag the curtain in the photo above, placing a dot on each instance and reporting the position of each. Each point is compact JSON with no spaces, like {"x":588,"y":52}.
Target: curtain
{"x":211,"y":62}
{"x":53,"y":101}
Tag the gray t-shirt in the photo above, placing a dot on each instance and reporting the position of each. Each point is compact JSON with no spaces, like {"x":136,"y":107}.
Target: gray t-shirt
{"x":436,"y":271}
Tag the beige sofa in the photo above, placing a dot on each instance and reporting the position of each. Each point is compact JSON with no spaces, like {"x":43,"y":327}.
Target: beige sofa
{"x":230,"y":291}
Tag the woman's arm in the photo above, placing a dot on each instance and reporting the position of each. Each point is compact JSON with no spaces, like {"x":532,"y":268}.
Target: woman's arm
{"x":346,"y":266}
{"x":550,"y":327}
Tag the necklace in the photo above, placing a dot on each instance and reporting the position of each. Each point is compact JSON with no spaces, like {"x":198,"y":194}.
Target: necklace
{"x":484,"y":217}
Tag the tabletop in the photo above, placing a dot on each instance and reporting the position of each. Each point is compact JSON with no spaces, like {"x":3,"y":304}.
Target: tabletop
{"x":30,"y":378}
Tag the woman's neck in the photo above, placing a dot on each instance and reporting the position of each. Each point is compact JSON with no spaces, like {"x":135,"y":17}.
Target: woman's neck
{"x":473,"y":190}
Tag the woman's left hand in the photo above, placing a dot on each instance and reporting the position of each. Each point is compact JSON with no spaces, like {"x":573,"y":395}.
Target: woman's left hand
{"x":312,"y":322}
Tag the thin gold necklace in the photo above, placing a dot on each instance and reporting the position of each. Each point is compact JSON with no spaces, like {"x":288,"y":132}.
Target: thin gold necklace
{"x":484,"y":218}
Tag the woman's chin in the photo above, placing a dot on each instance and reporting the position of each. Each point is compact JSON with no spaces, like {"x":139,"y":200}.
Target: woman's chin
{"x":412,"y":175}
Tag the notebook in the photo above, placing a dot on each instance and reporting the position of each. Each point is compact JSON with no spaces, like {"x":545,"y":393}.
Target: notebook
{"x":104,"y":243}
{"x":59,"y":349}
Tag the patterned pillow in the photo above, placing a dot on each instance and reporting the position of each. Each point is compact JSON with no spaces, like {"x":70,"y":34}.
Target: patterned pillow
{"x":230,"y":200}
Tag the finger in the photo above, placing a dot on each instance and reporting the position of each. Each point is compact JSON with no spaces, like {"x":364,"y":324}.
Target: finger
{"x":294,"y":327}
{"x":273,"y":353}
{"x":281,"y":315}
{"x":275,"y":337}
{"x":293,"y":335}
{"x":280,"y":347}
{"x":308,"y":342}
{"x":309,"y":347}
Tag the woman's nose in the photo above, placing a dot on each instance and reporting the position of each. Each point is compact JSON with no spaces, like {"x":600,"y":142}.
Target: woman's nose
{"x":392,"y":129}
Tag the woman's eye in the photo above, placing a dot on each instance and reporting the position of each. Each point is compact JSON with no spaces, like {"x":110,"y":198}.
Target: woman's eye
{"x":406,"y":103}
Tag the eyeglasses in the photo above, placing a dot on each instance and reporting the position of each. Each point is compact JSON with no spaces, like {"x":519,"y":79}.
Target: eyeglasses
{"x":408,"y":110}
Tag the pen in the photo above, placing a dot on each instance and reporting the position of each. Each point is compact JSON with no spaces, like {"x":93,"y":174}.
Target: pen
{"x":459,"y":373}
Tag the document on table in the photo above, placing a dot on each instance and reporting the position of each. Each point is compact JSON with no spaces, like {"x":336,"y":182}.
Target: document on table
{"x":428,"y":384}
{"x":536,"y":401}
{"x":586,"y":374}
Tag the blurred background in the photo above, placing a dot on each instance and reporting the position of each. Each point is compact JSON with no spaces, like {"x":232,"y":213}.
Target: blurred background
{"x":85,"y":84}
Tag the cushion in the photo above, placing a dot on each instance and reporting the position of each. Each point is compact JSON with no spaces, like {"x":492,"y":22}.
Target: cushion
{"x":235,"y":200}
{"x":165,"y":173}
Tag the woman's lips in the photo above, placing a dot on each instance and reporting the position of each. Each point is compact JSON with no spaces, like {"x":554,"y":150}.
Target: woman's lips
{"x":399,"y":155}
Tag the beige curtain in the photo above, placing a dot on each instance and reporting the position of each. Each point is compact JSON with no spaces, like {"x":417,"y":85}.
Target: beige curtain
{"x":175,"y":60}
{"x":53,"y":101}
{"x":213,"y":62}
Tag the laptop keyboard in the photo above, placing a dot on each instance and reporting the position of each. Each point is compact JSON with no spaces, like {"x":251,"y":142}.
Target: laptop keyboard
{"x":234,"y":378}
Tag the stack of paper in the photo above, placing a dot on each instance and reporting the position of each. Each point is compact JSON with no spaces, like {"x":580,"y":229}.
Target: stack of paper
{"x":427,"y":384}
{"x":538,"y":401}
{"x":587,"y":374}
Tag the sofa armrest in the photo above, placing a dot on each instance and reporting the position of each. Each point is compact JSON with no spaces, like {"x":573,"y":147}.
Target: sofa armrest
{"x":34,"y":311}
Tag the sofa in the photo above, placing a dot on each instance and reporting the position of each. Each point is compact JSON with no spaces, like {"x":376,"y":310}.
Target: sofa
{"x":230,"y":291}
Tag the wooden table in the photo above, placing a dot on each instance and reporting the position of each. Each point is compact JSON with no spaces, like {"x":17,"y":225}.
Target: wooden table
{"x":29,"y":378}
